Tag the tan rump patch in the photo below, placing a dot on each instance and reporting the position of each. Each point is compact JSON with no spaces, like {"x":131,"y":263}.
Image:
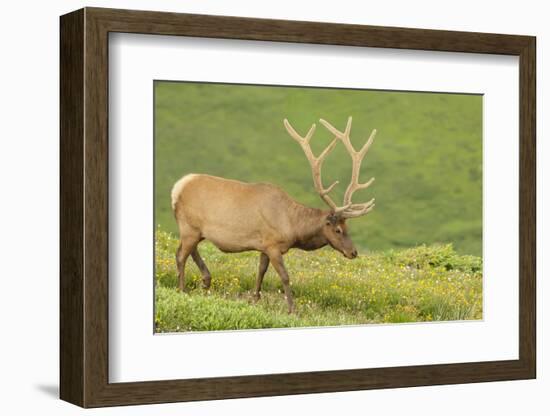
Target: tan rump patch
{"x":178,"y":187}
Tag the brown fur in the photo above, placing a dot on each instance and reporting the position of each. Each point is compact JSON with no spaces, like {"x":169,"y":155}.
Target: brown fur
{"x":237,"y":216}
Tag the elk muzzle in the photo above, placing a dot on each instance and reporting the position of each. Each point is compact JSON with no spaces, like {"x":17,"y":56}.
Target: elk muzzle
{"x":350,"y":254}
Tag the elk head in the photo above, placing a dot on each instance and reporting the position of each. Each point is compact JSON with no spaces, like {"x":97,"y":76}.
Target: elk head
{"x":334,"y":222}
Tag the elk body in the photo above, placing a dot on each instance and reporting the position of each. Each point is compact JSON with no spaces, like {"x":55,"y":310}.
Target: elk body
{"x":237,"y":216}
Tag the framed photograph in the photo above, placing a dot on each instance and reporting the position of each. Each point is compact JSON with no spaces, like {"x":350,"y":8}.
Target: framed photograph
{"x":222,"y":231}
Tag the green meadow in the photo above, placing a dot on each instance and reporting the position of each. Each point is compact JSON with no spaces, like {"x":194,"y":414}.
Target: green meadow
{"x":421,"y":284}
{"x":420,"y":248}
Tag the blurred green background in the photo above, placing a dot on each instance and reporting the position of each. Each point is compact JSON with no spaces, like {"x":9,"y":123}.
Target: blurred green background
{"x":427,"y":155}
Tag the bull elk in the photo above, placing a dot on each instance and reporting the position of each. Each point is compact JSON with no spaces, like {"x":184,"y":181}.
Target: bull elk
{"x":237,"y":216}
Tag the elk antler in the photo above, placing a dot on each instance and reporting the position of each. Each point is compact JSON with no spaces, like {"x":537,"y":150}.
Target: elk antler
{"x":316,"y":163}
{"x":351,"y":210}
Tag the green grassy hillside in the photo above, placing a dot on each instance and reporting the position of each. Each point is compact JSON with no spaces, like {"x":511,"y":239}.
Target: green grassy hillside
{"x":427,"y":156}
{"x":426,"y":283}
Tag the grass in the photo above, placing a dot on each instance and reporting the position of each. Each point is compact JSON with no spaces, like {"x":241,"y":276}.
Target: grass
{"x":425,"y":283}
{"x":427,"y":156}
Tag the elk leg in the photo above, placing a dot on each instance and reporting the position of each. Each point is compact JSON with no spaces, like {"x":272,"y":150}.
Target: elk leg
{"x":206,"y":278}
{"x":184,"y":249}
{"x":264,"y":264}
{"x":276,"y":259}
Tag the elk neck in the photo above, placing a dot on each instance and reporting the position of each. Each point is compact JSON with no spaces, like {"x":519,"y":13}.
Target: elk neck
{"x":308,"y":229}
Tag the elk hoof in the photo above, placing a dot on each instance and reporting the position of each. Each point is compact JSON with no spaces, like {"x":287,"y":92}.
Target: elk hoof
{"x":206,"y":284}
{"x":256,"y":297}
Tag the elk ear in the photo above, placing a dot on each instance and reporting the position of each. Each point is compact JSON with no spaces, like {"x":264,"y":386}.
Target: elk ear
{"x":332,"y":218}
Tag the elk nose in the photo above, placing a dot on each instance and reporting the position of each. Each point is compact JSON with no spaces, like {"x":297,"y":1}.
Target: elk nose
{"x":354,"y":254}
